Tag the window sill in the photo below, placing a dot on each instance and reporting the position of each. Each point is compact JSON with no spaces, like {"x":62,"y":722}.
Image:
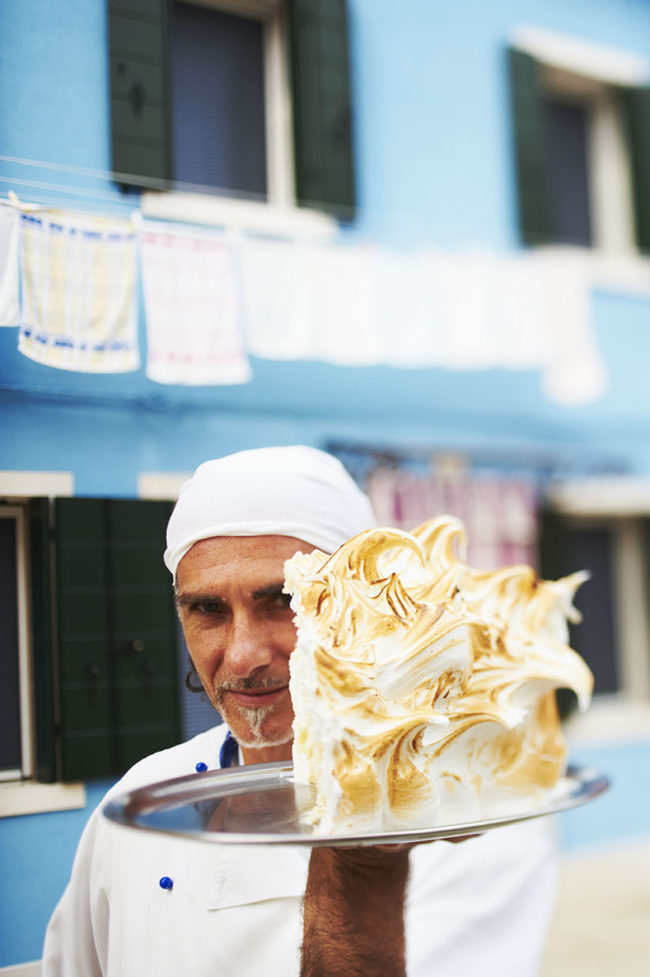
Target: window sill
{"x":238,"y":215}
{"x":26,"y":797}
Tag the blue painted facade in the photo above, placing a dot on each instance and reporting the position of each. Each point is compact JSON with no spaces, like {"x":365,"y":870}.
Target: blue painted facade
{"x":434,"y":167}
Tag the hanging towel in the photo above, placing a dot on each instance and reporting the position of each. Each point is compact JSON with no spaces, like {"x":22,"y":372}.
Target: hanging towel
{"x":309,"y":302}
{"x":577,"y":373}
{"x":192,"y":311}
{"x":9,"y":278}
{"x":78,"y":283}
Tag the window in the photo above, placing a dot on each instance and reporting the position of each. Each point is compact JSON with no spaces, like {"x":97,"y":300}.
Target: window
{"x":218,"y":99}
{"x":579,"y":533}
{"x":89,"y":671}
{"x":581,"y":116}
{"x":567,"y":126}
{"x":15,"y":699}
{"x":245,"y":97}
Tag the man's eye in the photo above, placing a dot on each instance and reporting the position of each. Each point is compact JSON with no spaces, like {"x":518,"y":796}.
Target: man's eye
{"x":208,"y":607}
{"x":282,"y":600}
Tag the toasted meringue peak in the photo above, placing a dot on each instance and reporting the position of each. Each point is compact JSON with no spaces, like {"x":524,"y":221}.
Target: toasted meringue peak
{"x":423,"y":688}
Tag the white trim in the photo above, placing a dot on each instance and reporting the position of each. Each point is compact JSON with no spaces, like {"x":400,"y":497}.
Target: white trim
{"x":161,"y":485}
{"x":599,"y":61}
{"x":610,"y":191}
{"x":17,"y":514}
{"x":278,"y":113}
{"x":27,"y":797}
{"x":629,"y":593}
{"x":247,"y":216}
{"x":24,"y":647}
{"x":32,"y":969}
{"x":26,"y":484}
{"x":602,"y":497}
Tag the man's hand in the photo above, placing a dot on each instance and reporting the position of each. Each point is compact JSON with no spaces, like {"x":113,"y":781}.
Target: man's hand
{"x":354,"y":912}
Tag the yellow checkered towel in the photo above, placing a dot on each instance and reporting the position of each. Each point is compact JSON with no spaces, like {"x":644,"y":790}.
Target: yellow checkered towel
{"x":78,"y":292}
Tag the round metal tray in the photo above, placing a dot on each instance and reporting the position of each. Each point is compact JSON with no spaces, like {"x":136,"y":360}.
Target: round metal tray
{"x":261,"y":804}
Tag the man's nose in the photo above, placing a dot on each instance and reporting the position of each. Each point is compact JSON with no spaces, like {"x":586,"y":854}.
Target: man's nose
{"x":248,"y":648}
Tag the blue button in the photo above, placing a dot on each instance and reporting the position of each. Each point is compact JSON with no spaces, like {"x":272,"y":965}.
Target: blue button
{"x":166,"y":882}
{"x":201,"y":766}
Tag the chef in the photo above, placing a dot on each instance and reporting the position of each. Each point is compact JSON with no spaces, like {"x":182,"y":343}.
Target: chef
{"x":140,"y":903}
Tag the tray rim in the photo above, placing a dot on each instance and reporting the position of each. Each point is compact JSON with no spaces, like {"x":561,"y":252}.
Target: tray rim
{"x":130,"y":807}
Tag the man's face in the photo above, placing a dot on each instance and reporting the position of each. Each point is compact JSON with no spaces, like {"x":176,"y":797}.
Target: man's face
{"x":240,"y":633}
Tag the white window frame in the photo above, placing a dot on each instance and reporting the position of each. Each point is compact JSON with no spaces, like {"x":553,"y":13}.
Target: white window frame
{"x":610,"y":178}
{"x":26,"y":709}
{"x":590,"y":71}
{"x":21,"y":794}
{"x":279,"y":214}
{"x":618,"y":504}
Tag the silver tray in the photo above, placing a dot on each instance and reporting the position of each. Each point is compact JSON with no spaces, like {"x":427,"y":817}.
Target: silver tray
{"x":261,"y":805}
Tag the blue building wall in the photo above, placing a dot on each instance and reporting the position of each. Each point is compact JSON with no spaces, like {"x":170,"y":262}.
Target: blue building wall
{"x":435,"y":167}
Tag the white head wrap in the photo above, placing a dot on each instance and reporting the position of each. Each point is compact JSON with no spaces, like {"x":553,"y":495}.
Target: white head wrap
{"x":290,"y":491}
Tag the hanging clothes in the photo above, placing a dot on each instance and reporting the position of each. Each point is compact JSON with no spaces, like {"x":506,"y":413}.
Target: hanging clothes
{"x":78,"y":286}
{"x":192,"y":308}
{"x":9,"y":265}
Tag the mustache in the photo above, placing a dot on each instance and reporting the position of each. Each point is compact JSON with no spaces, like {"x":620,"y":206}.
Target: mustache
{"x":249,"y":684}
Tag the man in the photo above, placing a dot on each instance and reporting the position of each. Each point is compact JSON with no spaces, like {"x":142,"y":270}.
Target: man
{"x":141,"y":904}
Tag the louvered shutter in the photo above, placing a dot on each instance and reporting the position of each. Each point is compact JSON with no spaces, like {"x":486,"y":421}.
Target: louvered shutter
{"x":143,"y":631}
{"x":83,"y":639}
{"x":104,"y":636}
{"x":530,"y":147}
{"x":322,"y":110}
{"x":139,"y":79}
{"x":46,"y":768}
{"x":637,"y":102}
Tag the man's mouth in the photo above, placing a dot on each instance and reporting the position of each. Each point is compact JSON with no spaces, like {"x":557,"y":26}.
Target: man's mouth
{"x":256,"y":698}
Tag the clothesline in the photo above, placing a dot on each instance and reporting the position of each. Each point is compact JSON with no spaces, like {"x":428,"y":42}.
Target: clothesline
{"x":211,"y":299}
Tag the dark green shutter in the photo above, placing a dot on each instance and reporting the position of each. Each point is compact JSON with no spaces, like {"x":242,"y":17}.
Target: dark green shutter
{"x":322,"y":108}
{"x":83,"y":639}
{"x":104,"y":636}
{"x":637,"y":103}
{"x":143,"y":631}
{"x":46,"y":768}
{"x":139,"y":86}
{"x":529,"y":147}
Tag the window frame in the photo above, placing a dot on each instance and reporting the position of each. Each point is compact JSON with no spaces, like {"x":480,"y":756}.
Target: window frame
{"x":594,"y":74}
{"x":609,"y":171}
{"x":305,"y":197}
{"x":280,"y":182}
{"x":24,"y":794}
{"x":620,"y":505}
{"x":25,"y":699}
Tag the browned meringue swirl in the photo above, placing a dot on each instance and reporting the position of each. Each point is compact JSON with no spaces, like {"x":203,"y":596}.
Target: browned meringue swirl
{"x":418,"y":681}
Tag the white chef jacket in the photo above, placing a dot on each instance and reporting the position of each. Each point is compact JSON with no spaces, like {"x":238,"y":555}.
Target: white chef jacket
{"x":482,"y":906}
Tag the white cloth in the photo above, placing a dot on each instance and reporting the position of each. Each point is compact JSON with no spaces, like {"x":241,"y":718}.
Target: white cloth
{"x":9,"y":275}
{"x":192,"y":311}
{"x":305,"y":301}
{"x":78,"y":292}
{"x":283,"y":491}
{"x":478,"y":907}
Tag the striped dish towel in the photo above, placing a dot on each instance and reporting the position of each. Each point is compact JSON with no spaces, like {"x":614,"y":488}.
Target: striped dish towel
{"x":192,"y":308}
{"x":9,"y":278}
{"x":78,"y":283}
